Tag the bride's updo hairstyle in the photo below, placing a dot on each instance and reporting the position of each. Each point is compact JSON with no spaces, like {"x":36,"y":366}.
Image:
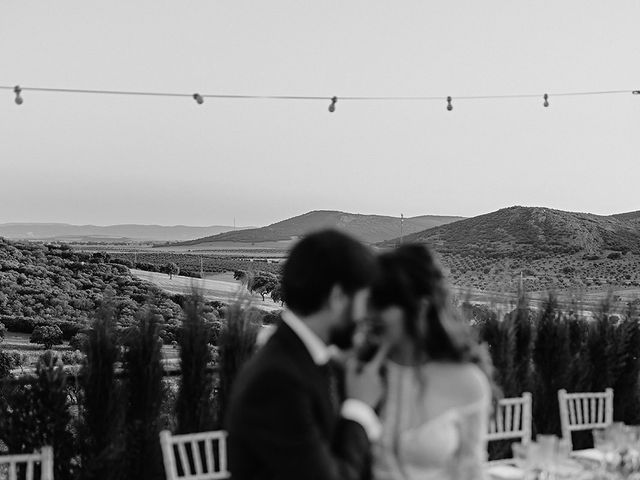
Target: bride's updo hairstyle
{"x":411,"y":279}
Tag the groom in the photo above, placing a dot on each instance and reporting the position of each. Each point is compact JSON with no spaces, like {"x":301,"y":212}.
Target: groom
{"x":285,"y":420}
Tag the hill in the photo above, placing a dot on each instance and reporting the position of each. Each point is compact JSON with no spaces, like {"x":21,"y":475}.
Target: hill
{"x":106,"y":234}
{"x":533,"y":232}
{"x":368,"y":228}
{"x":631,"y":217}
{"x":54,"y":284}
{"x":541,"y":247}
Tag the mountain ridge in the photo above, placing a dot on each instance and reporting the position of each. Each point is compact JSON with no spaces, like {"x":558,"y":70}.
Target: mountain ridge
{"x":118,"y":232}
{"x":368,"y":228}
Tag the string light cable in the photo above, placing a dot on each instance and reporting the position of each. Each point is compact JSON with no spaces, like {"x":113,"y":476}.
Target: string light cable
{"x":200,"y":97}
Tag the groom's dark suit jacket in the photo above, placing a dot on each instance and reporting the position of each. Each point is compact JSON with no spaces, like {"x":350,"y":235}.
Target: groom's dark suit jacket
{"x":283,"y":424}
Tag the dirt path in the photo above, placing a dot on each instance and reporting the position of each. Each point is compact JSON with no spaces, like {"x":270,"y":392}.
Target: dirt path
{"x":218,"y":287}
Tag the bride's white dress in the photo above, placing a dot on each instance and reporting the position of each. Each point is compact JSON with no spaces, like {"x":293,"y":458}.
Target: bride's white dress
{"x":448,"y":446}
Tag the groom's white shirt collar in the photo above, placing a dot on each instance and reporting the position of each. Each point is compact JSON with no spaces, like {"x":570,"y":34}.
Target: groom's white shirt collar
{"x":320,"y":353}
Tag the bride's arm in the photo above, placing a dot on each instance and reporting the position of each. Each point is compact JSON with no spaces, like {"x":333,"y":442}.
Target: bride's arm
{"x":471,"y":456}
{"x":473,"y":419}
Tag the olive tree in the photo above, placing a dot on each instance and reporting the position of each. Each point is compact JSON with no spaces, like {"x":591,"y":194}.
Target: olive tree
{"x":46,"y":335}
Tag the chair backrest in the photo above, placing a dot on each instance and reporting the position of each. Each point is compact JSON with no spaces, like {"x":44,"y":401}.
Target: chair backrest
{"x":195,"y":456}
{"x":512,"y":419}
{"x":10,"y":465}
{"x":584,"y":411}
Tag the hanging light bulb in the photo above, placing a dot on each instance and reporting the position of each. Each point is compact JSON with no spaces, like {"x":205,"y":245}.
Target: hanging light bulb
{"x":332,"y":107}
{"x":546,"y":100}
{"x":17,"y":91}
{"x":198,"y":98}
{"x":449,"y":106}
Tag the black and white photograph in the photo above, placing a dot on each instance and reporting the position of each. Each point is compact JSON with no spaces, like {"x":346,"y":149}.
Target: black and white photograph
{"x":319,"y":240}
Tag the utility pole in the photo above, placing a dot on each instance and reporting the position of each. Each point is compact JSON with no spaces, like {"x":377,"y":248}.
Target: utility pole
{"x":401,"y":228}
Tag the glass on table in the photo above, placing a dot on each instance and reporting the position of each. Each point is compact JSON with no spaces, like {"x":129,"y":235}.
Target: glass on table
{"x":564,"y":450}
{"x":619,"y":435}
{"x":628,"y":450}
{"x":548,"y":445}
{"x":526,"y":457}
{"x":603,"y":442}
{"x":520,"y":453}
{"x":634,"y":437}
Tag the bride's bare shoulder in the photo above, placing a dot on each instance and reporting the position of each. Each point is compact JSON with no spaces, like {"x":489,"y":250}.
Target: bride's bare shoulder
{"x":464,"y":381}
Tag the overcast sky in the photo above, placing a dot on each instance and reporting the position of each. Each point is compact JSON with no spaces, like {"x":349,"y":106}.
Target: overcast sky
{"x":107,"y":159}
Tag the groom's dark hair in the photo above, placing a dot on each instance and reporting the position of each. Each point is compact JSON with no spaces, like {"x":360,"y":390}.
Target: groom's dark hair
{"x":320,"y":261}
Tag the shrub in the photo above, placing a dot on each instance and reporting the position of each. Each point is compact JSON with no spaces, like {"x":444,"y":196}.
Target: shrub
{"x":237,"y":343}
{"x":626,"y":386}
{"x":6,"y":364}
{"x":72,"y":358}
{"x":79,"y":341}
{"x":101,"y":400}
{"x":18,"y":324}
{"x":38,"y":414}
{"x":194,"y":411}
{"x":46,"y":335}
{"x":144,"y":391}
{"x":189,"y":273}
{"x":3,"y":331}
{"x":69,"y":328}
{"x":17,"y":359}
{"x":121,"y":261}
{"x":500,"y":339}
{"x":148,"y":267}
{"x":523,"y":325}
{"x":100,"y":257}
{"x":171,"y":269}
{"x":551,"y":359}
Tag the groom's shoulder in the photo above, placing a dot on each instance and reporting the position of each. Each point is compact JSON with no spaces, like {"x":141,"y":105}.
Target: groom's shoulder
{"x":273,"y":362}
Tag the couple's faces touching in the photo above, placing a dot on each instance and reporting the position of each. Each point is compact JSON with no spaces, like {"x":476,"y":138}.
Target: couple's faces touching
{"x":392,"y":322}
{"x":352,"y":312}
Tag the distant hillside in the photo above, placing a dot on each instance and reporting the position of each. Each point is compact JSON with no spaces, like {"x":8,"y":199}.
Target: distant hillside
{"x":533,"y":232}
{"x":632,"y":217}
{"x":431,"y":221}
{"x":368,"y":228}
{"x":112,"y":233}
{"x":545,"y":248}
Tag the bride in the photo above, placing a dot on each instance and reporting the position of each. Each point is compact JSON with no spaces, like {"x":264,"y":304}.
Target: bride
{"x":438,"y":398}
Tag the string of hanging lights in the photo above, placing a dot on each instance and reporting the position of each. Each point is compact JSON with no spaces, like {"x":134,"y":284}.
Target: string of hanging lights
{"x":200,"y":98}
